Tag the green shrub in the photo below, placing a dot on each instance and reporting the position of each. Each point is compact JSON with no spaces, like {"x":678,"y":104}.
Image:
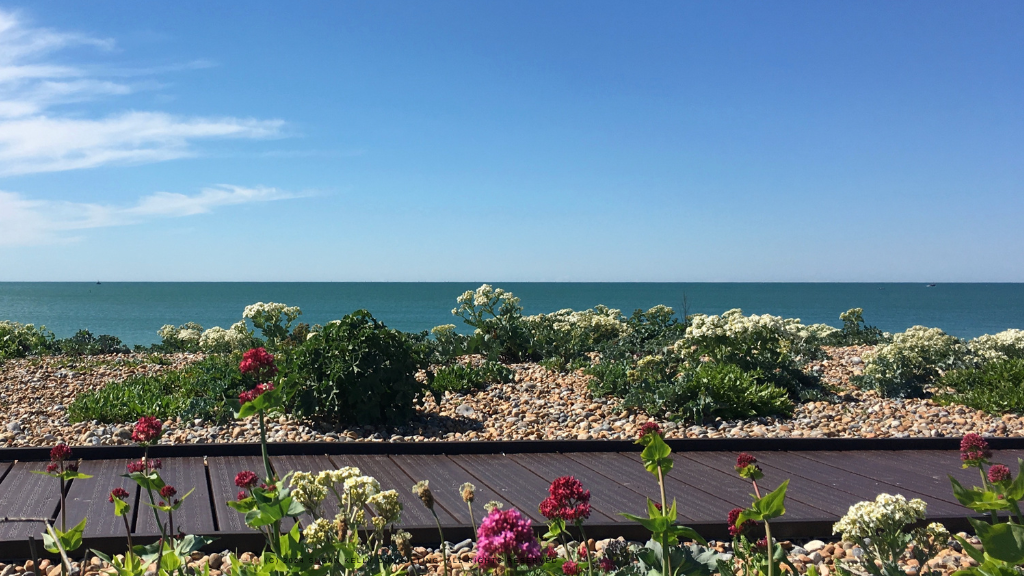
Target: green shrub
{"x":195,"y":391}
{"x":354,"y":371}
{"x":20,"y":340}
{"x":83,"y":343}
{"x":184,"y":338}
{"x":712,"y":390}
{"x":913,"y":360}
{"x":997,"y":387}
{"x":445,"y":346}
{"x":564,"y":338}
{"x":463,"y":378}
{"x":856,"y":333}
{"x":501,"y":332}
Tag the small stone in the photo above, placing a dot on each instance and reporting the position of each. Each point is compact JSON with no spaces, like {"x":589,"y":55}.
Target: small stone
{"x":814,"y":546}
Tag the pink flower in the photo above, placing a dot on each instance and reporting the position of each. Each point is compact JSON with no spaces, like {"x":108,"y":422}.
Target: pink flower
{"x":259,"y":363}
{"x":168,"y":492}
{"x":60,"y":452}
{"x":746,"y":467}
{"x":568,"y":500}
{"x":570,"y":568}
{"x":250,"y":395}
{"x":998,"y":473}
{"x":607,"y":564}
{"x":246,"y":479}
{"x":147,"y":429}
{"x":242,"y":495}
{"x":52,"y":467}
{"x":744,"y":460}
{"x":504,"y":535}
{"x":119,"y":493}
{"x":974,"y":450}
{"x":140,"y":466}
{"x":650,"y":427}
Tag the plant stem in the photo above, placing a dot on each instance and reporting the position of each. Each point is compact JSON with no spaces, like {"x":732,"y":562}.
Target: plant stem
{"x":472,"y":521}
{"x":767,"y":534}
{"x":984,"y":484}
{"x":586,"y":546}
{"x":444,"y":551}
{"x":666,"y":560}
{"x":128,"y":530}
{"x":263,"y":446}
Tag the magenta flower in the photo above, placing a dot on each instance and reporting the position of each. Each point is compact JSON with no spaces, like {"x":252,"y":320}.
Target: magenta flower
{"x":141,"y":466}
{"x":147,"y":429}
{"x":568,"y":500}
{"x":570,"y":568}
{"x":607,"y":564}
{"x":250,"y":395}
{"x":506,"y":536}
{"x":998,"y":473}
{"x":259,"y":363}
{"x":242,"y":495}
{"x":60,"y":452}
{"x":649,"y":428}
{"x":168,"y":491}
{"x":52,"y":467}
{"x":246,"y":479}
{"x":119,"y":493}
{"x":974,"y":450}
{"x":735,"y":530}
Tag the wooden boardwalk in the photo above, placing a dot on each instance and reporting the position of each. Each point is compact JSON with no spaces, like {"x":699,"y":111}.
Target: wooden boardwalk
{"x":823,"y":484}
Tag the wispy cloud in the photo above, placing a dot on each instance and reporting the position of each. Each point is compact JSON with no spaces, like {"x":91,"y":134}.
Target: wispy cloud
{"x":26,"y":222}
{"x":34,"y":138}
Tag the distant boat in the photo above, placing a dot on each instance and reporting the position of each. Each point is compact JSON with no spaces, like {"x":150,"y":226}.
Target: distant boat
{"x":99,"y":282}
{"x":929,"y":286}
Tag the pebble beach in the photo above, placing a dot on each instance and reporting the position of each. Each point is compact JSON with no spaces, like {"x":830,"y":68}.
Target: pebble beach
{"x":538,"y":405}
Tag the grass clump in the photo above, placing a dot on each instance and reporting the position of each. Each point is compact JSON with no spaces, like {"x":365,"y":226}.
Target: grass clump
{"x":462,"y":378}
{"x":997,"y":387}
{"x":195,"y":391}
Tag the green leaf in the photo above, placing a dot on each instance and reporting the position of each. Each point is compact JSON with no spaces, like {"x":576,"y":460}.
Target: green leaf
{"x":150,"y":481}
{"x":771,"y":505}
{"x":242,"y":506}
{"x":1016,"y":489}
{"x":970,"y":550}
{"x":977,"y":499}
{"x":75,"y":475}
{"x":555,"y":528}
{"x":294,"y":509}
{"x":1001,"y":541}
{"x":259,"y":517}
{"x":656,"y":455}
{"x":349,"y":555}
{"x":121,"y":507}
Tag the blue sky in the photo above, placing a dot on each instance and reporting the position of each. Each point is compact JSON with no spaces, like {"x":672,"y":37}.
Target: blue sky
{"x":517,"y":141}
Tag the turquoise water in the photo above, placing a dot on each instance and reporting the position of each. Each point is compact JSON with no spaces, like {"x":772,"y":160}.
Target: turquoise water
{"x":134,"y":311}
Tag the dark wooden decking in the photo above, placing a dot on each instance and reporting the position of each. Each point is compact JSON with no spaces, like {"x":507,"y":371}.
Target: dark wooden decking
{"x":823,"y":484}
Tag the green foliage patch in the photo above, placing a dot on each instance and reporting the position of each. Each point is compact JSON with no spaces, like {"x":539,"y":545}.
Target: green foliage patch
{"x":997,"y":387}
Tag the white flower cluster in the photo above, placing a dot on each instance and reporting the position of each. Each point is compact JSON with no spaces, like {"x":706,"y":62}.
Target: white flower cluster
{"x":388,"y":508}
{"x":887,"y":514}
{"x":187,"y":333}
{"x":599,"y":323}
{"x":359,"y":489}
{"x":486,"y":296}
{"x":307,"y":491}
{"x":916,"y":353}
{"x":733,"y":325}
{"x":443,"y":330}
{"x":992,"y":347}
{"x":217,"y":339}
{"x":319,"y":532}
{"x":821,"y":332}
{"x":271,"y":313}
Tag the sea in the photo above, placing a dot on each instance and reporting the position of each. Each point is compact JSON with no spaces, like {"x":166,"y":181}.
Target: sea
{"x":134,"y":311}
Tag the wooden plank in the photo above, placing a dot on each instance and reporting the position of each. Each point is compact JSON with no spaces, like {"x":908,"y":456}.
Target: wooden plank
{"x":607,"y":498}
{"x":858,"y":488}
{"x":90,"y":498}
{"x":392,"y":477}
{"x":693,"y":504}
{"x":713,"y":472}
{"x":194,"y":516}
{"x":222,"y":479}
{"x":886,"y":468}
{"x":446,"y":477}
{"x":518,"y":486}
{"x":314,"y":465}
{"x":27,"y":495}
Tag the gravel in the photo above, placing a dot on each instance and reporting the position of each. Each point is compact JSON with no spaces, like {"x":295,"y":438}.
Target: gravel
{"x":537,"y":405}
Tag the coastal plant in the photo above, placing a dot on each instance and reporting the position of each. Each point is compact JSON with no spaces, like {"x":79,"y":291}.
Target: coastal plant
{"x":999,"y":492}
{"x":354,"y":371}
{"x":506,"y":544}
{"x":20,"y":340}
{"x":197,"y":390}
{"x":662,"y":555}
{"x":763,"y":557}
{"x":880,"y":529}
{"x":568,"y":503}
{"x":914,"y":359}
{"x":273,"y":319}
{"x":64,"y":469}
{"x":445,"y":345}
{"x":184,"y":338}
{"x":462,"y":378}
{"x":564,"y":338}
{"x":468,"y":493}
{"x":500,"y":332}
{"x":422,"y":491}
{"x":855,"y":332}
{"x":217,"y":340}
{"x":1005,"y":345}
{"x":83,"y":343}
{"x":996,"y":387}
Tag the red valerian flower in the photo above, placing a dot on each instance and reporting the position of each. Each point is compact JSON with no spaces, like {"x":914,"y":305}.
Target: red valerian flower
{"x":60,"y":452}
{"x":735,"y":530}
{"x":550,"y":552}
{"x":607,"y":564}
{"x":998,"y":473}
{"x":649,"y":427}
{"x":52,"y":467}
{"x":250,"y":395}
{"x":141,"y":466}
{"x":746,"y":467}
{"x":246,"y":479}
{"x":568,"y":500}
{"x":762,"y":544}
{"x":242,"y":495}
{"x":72,"y":466}
{"x":259,"y":363}
{"x":119,"y":493}
{"x":505,"y":536}
{"x":744,"y":460}
{"x":974,"y":450}
{"x":570,"y":568}
{"x":147,"y":429}
{"x":658,"y":506}
{"x":168,"y":491}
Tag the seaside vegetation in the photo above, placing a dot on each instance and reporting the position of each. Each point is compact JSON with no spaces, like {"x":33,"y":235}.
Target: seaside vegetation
{"x":684,"y":367}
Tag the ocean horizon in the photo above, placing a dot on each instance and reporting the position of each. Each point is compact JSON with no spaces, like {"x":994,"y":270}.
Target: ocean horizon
{"x":134,"y":311}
